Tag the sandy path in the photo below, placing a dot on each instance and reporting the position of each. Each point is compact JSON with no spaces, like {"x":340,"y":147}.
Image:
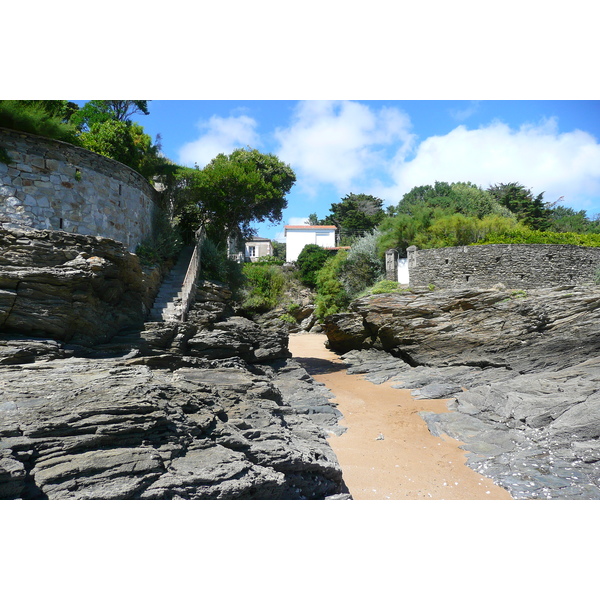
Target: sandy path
{"x":409,"y":462}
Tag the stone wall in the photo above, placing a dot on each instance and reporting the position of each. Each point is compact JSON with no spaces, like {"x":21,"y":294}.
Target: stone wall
{"x":55,"y":185}
{"x":514,"y":265}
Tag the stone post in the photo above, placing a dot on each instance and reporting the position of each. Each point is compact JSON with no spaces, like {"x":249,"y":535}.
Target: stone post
{"x":391,"y":264}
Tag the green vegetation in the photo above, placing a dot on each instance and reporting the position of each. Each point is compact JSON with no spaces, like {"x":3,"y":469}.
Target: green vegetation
{"x":49,"y":118}
{"x":262,"y":288}
{"x":231,"y":192}
{"x":164,"y":244}
{"x":460,"y":214}
{"x":215,"y":265}
{"x":310,"y":260}
{"x":355,"y":216}
{"x":331,"y":295}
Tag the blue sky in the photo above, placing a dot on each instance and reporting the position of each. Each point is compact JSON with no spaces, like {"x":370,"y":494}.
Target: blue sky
{"x":387,"y":147}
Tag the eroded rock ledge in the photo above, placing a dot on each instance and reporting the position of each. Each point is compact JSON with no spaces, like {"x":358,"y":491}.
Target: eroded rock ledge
{"x":522,"y":369}
{"x":214,"y":408}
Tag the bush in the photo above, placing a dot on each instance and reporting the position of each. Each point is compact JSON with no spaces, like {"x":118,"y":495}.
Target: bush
{"x":215,"y":265}
{"x":331,"y":294}
{"x":385,"y":286}
{"x":524,"y":235}
{"x":166,"y":243}
{"x":38,"y":117}
{"x":263,"y":286}
{"x":363,"y":266}
{"x":309,"y":262}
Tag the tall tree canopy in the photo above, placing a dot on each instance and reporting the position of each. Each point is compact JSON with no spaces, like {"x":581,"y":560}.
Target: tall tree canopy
{"x":355,"y":216}
{"x":231,"y":192}
{"x":530,"y":210}
{"x":100,"y":111}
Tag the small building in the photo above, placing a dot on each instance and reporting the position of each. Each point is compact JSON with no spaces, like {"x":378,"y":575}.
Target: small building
{"x":298,"y":236}
{"x":258,"y":247}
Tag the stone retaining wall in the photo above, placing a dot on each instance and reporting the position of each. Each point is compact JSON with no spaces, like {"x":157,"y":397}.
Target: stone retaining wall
{"x":55,"y":185}
{"x":514,"y":265}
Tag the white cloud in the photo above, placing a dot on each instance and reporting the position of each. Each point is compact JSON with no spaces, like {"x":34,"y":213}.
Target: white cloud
{"x":537,"y":156}
{"x":220,"y":135}
{"x":338,"y":142}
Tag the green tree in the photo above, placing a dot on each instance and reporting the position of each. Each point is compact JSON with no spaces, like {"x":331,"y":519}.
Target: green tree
{"x":233,"y":191}
{"x":309,"y":262}
{"x":354,"y":216}
{"x":100,"y":111}
{"x":279,"y":250}
{"x":530,"y":210}
{"x":564,"y":219}
{"x":125,"y":142}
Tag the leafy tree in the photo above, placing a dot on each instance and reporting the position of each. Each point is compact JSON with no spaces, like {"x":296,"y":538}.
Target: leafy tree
{"x":530,"y":210}
{"x":354,"y":216}
{"x":309,"y":262}
{"x":279,"y":250}
{"x":125,"y":142}
{"x":233,"y":191}
{"x":564,"y":219}
{"x":100,"y":111}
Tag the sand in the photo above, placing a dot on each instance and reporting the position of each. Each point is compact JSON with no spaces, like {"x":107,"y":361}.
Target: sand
{"x":388,"y":453}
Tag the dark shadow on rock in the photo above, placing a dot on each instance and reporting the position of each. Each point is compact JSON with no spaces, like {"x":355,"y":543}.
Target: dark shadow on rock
{"x":319,"y":366}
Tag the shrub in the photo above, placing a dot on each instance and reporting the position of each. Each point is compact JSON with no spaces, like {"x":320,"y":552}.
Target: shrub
{"x":363,"y":266}
{"x":309,"y":262}
{"x":331,"y":294}
{"x":164,"y":244}
{"x":385,"y":286}
{"x":215,"y":265}
{"x":263,"y":286}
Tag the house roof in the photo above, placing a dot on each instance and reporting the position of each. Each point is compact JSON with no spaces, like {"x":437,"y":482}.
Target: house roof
{"x":258,"y":239}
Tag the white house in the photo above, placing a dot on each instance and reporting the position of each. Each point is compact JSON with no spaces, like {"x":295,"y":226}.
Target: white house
{"x":258,"y":247}
{"x":298,"y":236}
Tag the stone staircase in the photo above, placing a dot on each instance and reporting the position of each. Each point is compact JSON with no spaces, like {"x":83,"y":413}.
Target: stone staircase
{"x":167,"y":304}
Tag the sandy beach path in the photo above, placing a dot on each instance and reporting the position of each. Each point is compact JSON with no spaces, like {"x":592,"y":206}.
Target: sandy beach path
{"x":387,"y":453}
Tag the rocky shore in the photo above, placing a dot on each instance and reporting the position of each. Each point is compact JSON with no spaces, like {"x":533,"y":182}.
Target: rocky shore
{"x":522,"y":371}
{"x":94,"y":406}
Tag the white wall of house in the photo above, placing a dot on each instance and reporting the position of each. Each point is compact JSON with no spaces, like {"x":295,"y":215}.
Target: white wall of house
{"x":298,"y":236}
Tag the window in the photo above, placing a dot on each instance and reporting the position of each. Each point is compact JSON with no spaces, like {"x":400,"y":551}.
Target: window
{"x":251,"y":250}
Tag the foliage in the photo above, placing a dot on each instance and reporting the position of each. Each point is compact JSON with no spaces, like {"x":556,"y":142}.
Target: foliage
{"x":331,"y":295}
{"x":215,"y":265}
{"x":354,"y":216}
{"x":125,"y":142}
{"x":564,"y":219}
{"x":450,"y":198}
{"x":443,"y":215}
{"x":263,"y":287}
{"x":279,"y":250}
{"x":47,"y":118}
{"x":385,"y":286}
{"x":100,"y":111}
{"x":271,"y":260}
{"x":232,"y":191}
{"x":363,"y":265}
{"x":165,"y":243}
{"x":524,"y":235}
{"x":310,"y":260}
{"x":530,"y":210}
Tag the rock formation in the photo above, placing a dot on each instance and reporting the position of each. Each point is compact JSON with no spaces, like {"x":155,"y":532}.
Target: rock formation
{"x":94,"y":404}
{"x":523,"y":370}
